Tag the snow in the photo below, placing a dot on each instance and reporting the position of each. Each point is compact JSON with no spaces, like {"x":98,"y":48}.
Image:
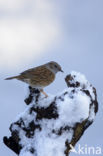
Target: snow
{"x":50,"y":145}
{"x":25,"y":152}
{"x":73,"y":108}
{"x":80,"y":78}
{"x":84,"y":83}
{"x":76,"y":108}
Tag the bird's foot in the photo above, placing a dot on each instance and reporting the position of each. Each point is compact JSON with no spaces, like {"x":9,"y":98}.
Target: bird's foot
{"x":42,"y":91}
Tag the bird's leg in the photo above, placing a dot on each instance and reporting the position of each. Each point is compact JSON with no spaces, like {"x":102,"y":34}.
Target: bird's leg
{"x":42,"y":91}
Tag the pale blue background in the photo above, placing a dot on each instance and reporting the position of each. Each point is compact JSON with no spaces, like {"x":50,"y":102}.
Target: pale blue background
{"x":79,"y":48}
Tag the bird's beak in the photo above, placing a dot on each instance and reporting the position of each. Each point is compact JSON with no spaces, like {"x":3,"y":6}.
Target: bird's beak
{"x":61,"y":70}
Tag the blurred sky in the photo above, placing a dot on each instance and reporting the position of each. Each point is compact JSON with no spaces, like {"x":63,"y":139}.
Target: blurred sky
{"x":35,"y":32}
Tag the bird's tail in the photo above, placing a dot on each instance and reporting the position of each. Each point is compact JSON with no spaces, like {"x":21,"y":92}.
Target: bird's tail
{"x":10,"y":78}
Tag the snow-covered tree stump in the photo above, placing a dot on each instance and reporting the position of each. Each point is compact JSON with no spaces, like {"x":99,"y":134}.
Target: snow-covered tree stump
{"x":49,"y":126}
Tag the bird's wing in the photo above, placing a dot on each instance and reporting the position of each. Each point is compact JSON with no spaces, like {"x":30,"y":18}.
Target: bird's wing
{"x":30,"y":72}
{"x":41,"y":72}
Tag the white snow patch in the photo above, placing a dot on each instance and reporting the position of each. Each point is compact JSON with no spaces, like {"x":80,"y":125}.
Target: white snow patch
{"x":25,"y":153}
{"x":73,"y":110}
{"x":80,"y":78}
{"x":84,"y":83}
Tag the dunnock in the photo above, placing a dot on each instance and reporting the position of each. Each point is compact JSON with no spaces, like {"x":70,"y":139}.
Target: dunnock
{"x":39,"y":77}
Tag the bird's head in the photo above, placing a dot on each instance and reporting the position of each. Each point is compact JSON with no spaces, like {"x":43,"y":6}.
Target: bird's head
{"x":54,"y":67}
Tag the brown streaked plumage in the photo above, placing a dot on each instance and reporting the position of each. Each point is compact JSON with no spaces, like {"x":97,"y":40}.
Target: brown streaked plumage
{"x":39,"y":77}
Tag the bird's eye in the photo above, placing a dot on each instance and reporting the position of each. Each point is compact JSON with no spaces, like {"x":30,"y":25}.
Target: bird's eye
{"x":55,"y":66}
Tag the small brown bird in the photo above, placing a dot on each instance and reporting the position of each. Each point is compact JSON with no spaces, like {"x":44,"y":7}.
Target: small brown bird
{"x":39,"y":77}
